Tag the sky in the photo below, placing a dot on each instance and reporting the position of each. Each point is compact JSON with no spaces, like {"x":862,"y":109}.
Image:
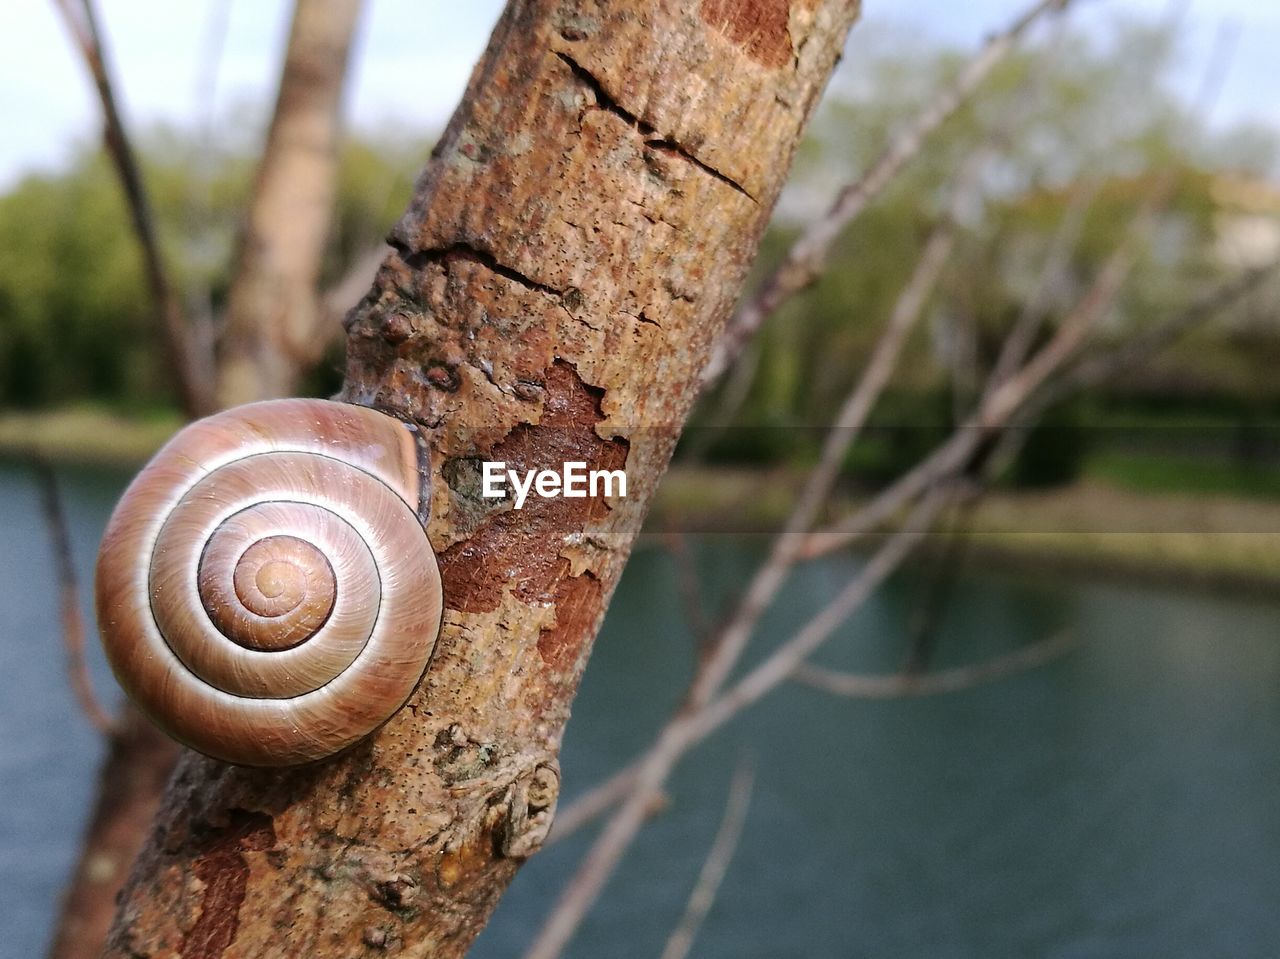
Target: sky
{"x":412,"y":59}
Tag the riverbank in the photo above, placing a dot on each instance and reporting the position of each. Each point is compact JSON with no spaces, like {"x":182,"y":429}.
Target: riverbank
{"x":1093,"y":527}
{"x":85,"y":436}
{"x":1090,"y":527}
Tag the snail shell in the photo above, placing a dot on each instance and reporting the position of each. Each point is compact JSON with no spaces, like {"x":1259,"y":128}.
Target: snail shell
{"x":265,"y":590}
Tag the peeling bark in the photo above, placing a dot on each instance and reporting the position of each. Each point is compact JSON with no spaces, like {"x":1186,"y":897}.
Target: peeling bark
{"x":571,"y":252}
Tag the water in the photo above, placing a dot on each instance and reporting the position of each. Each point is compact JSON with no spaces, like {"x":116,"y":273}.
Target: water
{"x":1120,"y":802}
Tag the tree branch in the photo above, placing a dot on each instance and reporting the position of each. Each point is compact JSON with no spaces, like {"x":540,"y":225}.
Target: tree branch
{"x":191,"y":373}
{"x":716,"y":864}
{"x":1000,"y":403}
{"x":69,"y":599}
{"x":569,"y":254}
{"x":908,"y":684}
{"x":273,"y":309}
{"x":689,"y":587}
{"x":803,"y":263}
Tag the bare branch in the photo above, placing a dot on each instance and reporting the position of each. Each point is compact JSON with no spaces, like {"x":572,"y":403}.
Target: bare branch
{"x":780,"y":664}
{"x":69,"y":599}
{"x":1002,"y":403}
{"x":192,"y":377}
{"x":804,"y":261}
{"x":689,"y":586}
{"x":1107,"y":364}
{"x":716,"y":864}
{"x":694,"y":724}
{"x":1005,"y":399}
{"x":728,"y":402}
{"x":943,"y":564}
{"x":1049,"y":282}
{"x":346,"y":292}
{"x":907,"y":309}
{"x":906,"y":684}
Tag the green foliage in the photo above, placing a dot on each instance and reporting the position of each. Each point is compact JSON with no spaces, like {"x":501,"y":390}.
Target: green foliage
{"x":1092,"y":114}
{"x":75,"y":315}
{"x":1147,"y":473}
{"x":70,"y":282}
{"x":1053,"y":453}
{"x":1077,"y":116}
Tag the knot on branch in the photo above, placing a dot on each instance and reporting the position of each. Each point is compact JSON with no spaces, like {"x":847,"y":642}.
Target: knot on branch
{"x":530,"y":805}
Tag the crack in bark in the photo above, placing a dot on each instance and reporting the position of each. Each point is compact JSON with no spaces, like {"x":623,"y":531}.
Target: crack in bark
{"x":461,"y":250}
{"x":671,"y":146}
{"x":654,"y":140}
{"x":642,"y":317}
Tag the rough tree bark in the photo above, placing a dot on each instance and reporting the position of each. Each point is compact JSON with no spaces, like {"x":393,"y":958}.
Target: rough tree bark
{"x":273,"y":312}
{"x":571,"y":252}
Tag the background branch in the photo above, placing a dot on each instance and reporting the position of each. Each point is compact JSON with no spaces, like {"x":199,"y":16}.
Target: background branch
{"x":191,"y":373}
{"x":905,"y":684}
{"x":69,"y":598}
{"x":803,"y":262}
{"x":716,"y":864}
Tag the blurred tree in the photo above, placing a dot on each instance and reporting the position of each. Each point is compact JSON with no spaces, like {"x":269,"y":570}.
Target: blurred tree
{"x":89,"y":339}
{"x":1096,"y":121}
{"x":275,"y":325}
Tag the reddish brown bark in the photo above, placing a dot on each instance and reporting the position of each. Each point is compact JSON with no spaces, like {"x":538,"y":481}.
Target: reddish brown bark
{"x":571,"y":252}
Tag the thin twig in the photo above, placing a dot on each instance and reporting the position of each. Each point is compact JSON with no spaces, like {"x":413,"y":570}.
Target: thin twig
{"x":945,"y":564}
{"x":198,"y":297}
{"x":339,"y":298}
{"x":73,"y":630}
{"x":716,"y":864}
{"x":592,"y":804}
{"x":694,"y":724}
{"x":193,"y":390}
{"x":1050,"y":281}
{"x":803,"y":263}
{"x":728,"y":403}
{"x":843,"y":434}
{"x":689,"y":586}
{"x":1001,"y":403}
{"x":1109,"y":363}
{"x":906,"y":684}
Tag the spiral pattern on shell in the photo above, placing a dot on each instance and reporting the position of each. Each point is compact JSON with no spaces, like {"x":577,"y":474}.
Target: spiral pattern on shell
{"x":265,"y":590}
